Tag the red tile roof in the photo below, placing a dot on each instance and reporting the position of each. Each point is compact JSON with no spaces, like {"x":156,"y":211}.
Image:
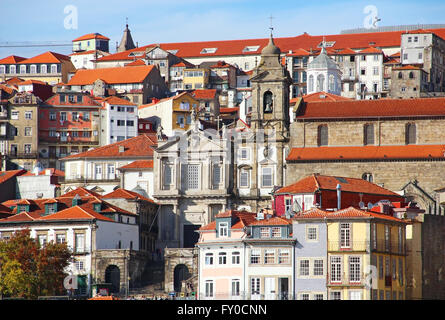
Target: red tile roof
{"x":7,"y":89}
{"x":91,"y":36}
{"x":14,"y":80}
{"x":221,"y":64}
{"x":113,"y":100}
{"x":137,"y":62}
{"x":370,"y":50}
{"x":204,"y":94}
{"x":315,"y":182}
{"x":273,"y":221}
{"x":76,"y":213}
{"x":303,"y":41}
{"x":6,"y":175}
{"x":139,"y":164}
{"x":241,"y":219}
{"x":184,"y":64}
{"x":156,"y":101}
{"x":136,"y":74}
{"x":21,"y":217}
{"x":346,"y":51}
{"x":12,"y":60}
{"x":125,"y":194}
{"x":407,"y":67}
{"x":46,"y":57}
{"x":373,"y":108}
{"x":298,"y":52}
{"x":136,"y":147}
{"x":323,"y":97}
{"x":81,"y":191}
{"x":228,"y":110}
{"x":53,"y":172}
{"x":401,"y":152}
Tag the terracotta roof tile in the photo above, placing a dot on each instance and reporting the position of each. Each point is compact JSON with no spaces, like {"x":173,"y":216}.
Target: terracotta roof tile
{"x":91,"y":36}
{"x":367,"y":153}
{"x":228,"y":110}
{"x":6,"y":175}
{"x":113,"y":100}
{"x":373,"y":108}
{"x":46,"y":57}
{"x":136,"y":74}
{"x":323,"y":97}
{"x":12,"y":60}
{"x":139,"y":164}
{"x":137,"y":62}
{"x":370,"y":50}
{"x":81,"y":192}
{"x":139,"y":146}
{"x":76,"y":213}
{"x":125,"y":194}
{"x":274,"y":221}
{"x":204,"y":94}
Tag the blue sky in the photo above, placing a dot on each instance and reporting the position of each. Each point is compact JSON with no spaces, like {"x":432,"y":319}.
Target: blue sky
{"x":157,"y":21}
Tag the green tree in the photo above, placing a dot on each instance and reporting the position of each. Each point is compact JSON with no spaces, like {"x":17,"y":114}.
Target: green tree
{"x":28,"y":270}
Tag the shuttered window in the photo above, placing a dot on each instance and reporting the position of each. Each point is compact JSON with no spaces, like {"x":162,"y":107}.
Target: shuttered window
{"x":368,"y":134}
{"x":323,"y":135}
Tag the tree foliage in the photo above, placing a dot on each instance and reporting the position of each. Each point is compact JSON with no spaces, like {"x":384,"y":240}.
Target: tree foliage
{"x":28,"y":270}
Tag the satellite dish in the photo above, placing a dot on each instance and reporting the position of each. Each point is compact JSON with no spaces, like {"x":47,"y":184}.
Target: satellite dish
{"x":361,"y":205}
{"x":370,"y":205}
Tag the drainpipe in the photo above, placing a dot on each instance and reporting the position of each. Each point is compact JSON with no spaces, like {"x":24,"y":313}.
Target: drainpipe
{"x":338,"y":196}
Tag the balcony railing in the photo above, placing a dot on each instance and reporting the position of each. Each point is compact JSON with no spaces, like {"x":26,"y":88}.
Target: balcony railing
{"x":345,"y":280}
{"x":391,"y":248}
{"x":348,"y":246}
{"x":81,"y":179}
{"x":23,"y":155}
{"x":349,"y":78}
{"x":69,"y":140}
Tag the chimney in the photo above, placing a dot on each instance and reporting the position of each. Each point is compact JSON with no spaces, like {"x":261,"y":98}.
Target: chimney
{"x":121,"y":149}
{"x":338,"y":196}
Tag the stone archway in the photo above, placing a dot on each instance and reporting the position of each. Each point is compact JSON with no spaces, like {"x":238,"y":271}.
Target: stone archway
{"x":113,"y":276}
{"x":181,"y":273}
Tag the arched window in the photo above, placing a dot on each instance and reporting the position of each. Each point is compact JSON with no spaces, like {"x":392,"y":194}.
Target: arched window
{"x":43,"y":68}
{"x":322,"y":135}
{"x":368,"y":134}
{"x":410,"y":133}
{"x":331,"y":83}
{"x":368,"y":177}
{"x":268,"y":102}
{"x":400,"y":75}
{"x":320,"y":83}
{"x":411,"y":75}
{"x":311,"y":83}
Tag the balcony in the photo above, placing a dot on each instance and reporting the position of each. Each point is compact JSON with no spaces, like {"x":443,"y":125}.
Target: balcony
{"x":389,"y":248}
{"x":81,"y":179}
{"x":23,"y":155}
{"x":345,"y":281}
{"x":69,"y":140}
{"x":352,"y":246}
{"x":349,"y":78}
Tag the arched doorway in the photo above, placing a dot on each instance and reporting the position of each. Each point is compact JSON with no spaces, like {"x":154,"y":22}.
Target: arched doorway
{"x":181,"y":273}
{"x":113,"y":276}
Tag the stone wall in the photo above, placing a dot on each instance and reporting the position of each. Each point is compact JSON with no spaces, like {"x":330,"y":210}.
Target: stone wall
{"x":393,"y":175}
{"x":174,"y":257}
{"x":351,"y":133}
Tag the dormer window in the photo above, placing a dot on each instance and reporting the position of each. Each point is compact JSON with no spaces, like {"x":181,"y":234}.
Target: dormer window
{"x":208,"y":50}
{"x":43,"y":68}
{"x":264,"y":232}
{"x":22,"y":207}
{"x":33,"y":69}
{"x":53,"y":68}
{"x":251,"y":48}
{"x":223,"y":229}
{"x":23,"y":69}
{"x":97,"y":207}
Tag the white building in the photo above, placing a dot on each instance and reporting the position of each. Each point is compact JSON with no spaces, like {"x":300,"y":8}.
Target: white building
{"x":96,"y":169}
{"x":119,"y":120}
{"x":136,"y":174}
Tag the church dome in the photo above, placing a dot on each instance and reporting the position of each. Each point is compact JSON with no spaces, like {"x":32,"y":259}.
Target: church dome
{"x":271,"y":48}
{"x":142,"y":192}
{"x":322,"y":61}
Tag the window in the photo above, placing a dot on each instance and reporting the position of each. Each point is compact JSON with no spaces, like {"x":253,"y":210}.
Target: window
{"x":222,"y":258}
{"x":130,"y":123}
{"x":363,"y":71}
{"x":276,"y":232}
{"x":244,"y":154}
{"x":265,"y":232}
{"x":79,"y":243}
{"x":120,"y":123}
{"x":2,"y":69}
{"x":209,"y":259}
{"x":267,"y":177}
{"x":318,"y":296}
{"x":216,"y":174}
{"x":223,"y":229}
{"x":304,"y":296}
{"x":318,"y":267}
{"x":42,"y":238}
{"x":354,"y":269}
{"x":394,"y":269}
{"x":244,"y":179}
{"x":387,"y":237}
{"x":410,"y":133}
{"x":27,"y":148}
{"x":192,"y":176}
{"x":28,"y":115}
{"x":28,"y":131}
{"x":255,"y":256}
{"x":23,"y":69}
{"x":236,"y":287}
{"x":345,"y":235}
{"x":401,"y":271}
{"x":75,"y":116}
{"x":60,"y":238}
{"x":320,"y":83}
{"x":236,"y":257}
{"x":167,"y":180}
{"x":283,"y":256}
{"x":355,"y":295}
{"x":375,"y":71}
{"x":311,"y":233}
{"x":335,"y":295}
{"x":255,"y":286}
{"x":304,"y":267}
{"x":322,"y":135}
{"x":420,"y":56}
{"x":331,"y":83}
{"x":79,"y":265}
{"x":335,"y":269}
{"x":311,"y":83}
{"x":52,"y":116}
{"x":14,"y":115}
{"x":62,"y":116}
{"x":269,"y":256}
{"x":209,"y":289}
{"x":368,"y":133}
{"x":53,"y":68}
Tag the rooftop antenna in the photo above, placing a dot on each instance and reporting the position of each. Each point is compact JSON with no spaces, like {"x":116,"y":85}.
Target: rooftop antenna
{"x":126,"y":22}
{"x":271,"y":25}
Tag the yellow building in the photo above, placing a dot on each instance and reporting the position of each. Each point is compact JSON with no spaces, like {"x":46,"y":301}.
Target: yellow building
{"x":366,"y":256}
{"x":173,"y":114}
{"x":195,"y":78}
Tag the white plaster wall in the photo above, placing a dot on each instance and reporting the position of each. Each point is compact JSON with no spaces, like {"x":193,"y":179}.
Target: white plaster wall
{"x":108,"y":235}
{"x":131,"y":179}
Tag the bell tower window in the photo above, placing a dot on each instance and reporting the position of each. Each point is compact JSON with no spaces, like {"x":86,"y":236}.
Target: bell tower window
{"x":268,"y":102}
